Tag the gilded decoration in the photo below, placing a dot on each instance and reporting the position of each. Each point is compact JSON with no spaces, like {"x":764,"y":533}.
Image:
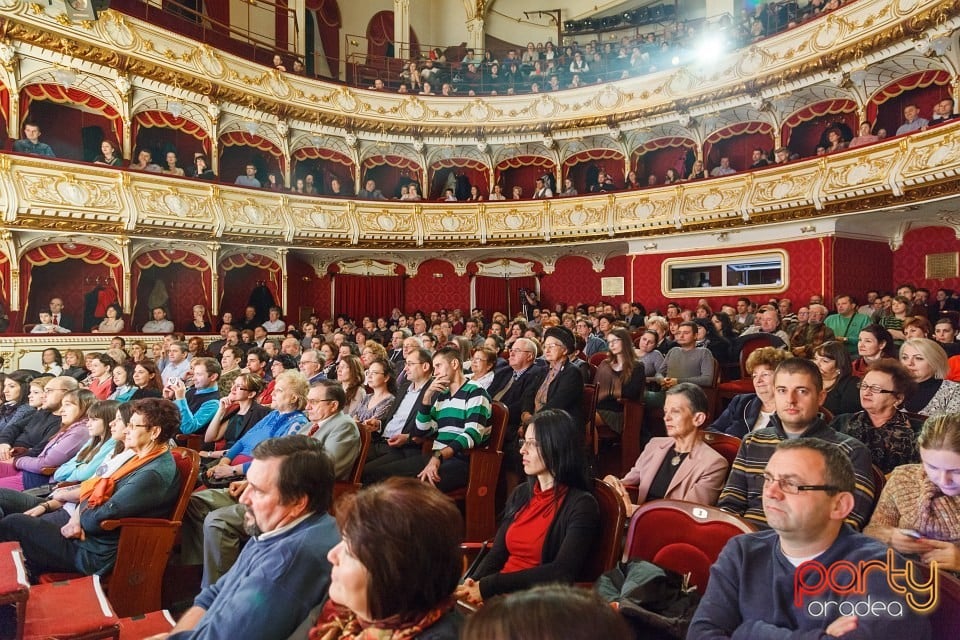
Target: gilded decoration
{"x":171,"y":206}
{"x":783,"y":190}
{"x":586,"y":217}
{"x":933,"y":154}
{"x":845,"y":36}
{"x":46,"y":189}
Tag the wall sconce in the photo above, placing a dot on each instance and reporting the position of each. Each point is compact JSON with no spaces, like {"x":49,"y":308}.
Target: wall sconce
{"x":251,"y":126}
{"x":723,"y":236}
{"x":175,"y":107}
{"x":437,"y":275}
{"x":808,"y":229}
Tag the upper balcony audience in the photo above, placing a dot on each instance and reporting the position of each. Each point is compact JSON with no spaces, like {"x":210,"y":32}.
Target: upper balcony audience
{"x":30,"y":142}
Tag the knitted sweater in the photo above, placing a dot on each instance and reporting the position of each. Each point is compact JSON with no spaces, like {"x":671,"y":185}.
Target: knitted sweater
{"x":910,"y":501}
{"x":460,"y":421}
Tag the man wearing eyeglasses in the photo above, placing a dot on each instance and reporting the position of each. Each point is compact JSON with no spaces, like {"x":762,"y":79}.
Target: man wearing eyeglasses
{"x":798,"y":393}
{"x":808,"y":490}
{"x":395,"y":440}
{"x":311,"y":367}
{"x":28,"y":438}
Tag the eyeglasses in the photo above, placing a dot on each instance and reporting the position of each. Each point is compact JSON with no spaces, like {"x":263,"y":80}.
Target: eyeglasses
{"x":793,"y":488}
{"x":553,"y":345}
{"x":872,"y":388}
{"x":133,"y":425}
{"x":238,"y":387}
{"x":52,"y":389}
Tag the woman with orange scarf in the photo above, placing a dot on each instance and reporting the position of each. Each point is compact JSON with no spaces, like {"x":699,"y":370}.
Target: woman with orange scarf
{"x":143,"y":485}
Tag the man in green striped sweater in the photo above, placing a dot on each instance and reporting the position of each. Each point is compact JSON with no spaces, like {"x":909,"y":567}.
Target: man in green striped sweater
{"x":798,"y":392}
{"x":455,"y":411}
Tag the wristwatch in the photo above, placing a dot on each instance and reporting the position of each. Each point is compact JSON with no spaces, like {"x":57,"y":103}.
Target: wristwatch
{"x":438,"y":454}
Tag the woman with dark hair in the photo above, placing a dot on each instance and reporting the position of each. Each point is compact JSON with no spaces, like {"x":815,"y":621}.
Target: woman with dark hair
{"x":550,"y":612}
{"x":16,"y":390}
{"x":144,"y":485}
{"x":724,"y":326}
{"x":881,"y":426}
{"x":237,"y":413}
{"x":748,"y":412}
{"x":101,"y":375}
{"x":123,"y":385}
{"x":833,"y":360}
{"x":549,"y":523}
{"x":146,"y":377}
{"x":97,"y":449}
{"x":26,"y":472}
{"x":52,"y":361}
{"x":113,"y":323}
{"x":621,"y":375}
{"x":709,"y":338}
{"x":201,"y":168}
{"x":377,"y":404}
{"x":873,"y":343}
{"x":381,"y":586}
{"x":350,"y":375}
{"x":900,"y":307}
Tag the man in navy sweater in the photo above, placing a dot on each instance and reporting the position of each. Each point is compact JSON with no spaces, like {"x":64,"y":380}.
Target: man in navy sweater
{"x":283,"y":570}
{"x":807,"y":494}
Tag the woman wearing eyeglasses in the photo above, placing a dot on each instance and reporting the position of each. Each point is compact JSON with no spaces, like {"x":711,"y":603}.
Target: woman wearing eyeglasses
{"x":143,"y":485}
{"x":236,"y":413}
{"x":918,"y":512}
{"x":751,"y":411}
{"x":881,"y":426}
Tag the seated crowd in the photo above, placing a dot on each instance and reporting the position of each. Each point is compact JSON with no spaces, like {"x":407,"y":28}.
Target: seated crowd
{"x":279,"y":423}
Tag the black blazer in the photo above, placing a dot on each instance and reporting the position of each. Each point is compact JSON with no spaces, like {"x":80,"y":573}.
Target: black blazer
{"x":522,"y":391}
{"x":565,"y":392}
{"x":409,"y":426}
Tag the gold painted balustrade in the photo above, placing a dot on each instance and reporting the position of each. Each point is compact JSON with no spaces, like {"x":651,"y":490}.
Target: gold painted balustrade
{"x":40,"y":194}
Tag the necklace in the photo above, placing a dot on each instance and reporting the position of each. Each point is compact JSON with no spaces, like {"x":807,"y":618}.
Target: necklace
{"x":678,"y":457}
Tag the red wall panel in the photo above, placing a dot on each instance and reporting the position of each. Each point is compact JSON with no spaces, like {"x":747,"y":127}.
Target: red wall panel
{"x":427,"y":292}
{"x":574,"y":281}
{"x":305,"y":289}
{"x":909,"y":261}
{"x":810,"y":272}
{"x":861,"y":265}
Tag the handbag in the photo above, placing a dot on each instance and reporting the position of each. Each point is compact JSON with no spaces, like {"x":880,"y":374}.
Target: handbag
{"x":658,"y":603}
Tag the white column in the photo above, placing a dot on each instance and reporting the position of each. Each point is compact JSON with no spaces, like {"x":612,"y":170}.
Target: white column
{"x":401,"y":29}
{"x":475,"y":34}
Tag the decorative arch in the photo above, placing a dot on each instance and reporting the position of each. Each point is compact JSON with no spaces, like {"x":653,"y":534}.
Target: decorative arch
{"x":737,"y":142}
{"x":161,"y":131}
{"x":523,"y":171}
{"x":391,"y":172}
{"x":924,"y":88}
{"x":325,"y":164}
{"x":237,"y":148}
{"x":186,"y":274}
{"x":74,"y":121}
{"x":803,"y":129}
{"x":474,"y":171}
{"x":72,"y":272}
{"x":241,"y":273}
{"x":582,"y":167}
{"x":657,"y":155}
{"x":380,"y":38}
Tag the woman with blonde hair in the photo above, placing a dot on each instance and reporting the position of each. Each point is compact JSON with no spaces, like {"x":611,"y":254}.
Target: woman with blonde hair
{"x":927,"y":362}
{"x":918,"y":512}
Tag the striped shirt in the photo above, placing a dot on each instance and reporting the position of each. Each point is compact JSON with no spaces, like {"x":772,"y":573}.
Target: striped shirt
{"x":743,"y":493}
{"x":460,"y":421}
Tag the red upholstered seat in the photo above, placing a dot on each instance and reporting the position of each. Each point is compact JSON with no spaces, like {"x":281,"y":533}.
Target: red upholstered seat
{"x":724,"y":444}
{"x":13,"y":576}
{"x":681,"y":536}
{"x":75,"y":609}
{"x":147,"y":625}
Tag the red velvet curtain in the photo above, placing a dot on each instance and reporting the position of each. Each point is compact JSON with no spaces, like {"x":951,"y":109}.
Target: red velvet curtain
{"x":324,"y":164}
{"x":359,"y":296}
{"x":501,"y":294}
{"x":326,"y":13}
{"x":187,"y":279}
{"x":67,"y":271}
{"x":63,"y":128}
{"x":240,"y":274}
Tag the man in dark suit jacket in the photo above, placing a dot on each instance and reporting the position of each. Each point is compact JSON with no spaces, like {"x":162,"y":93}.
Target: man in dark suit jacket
{"x":516,"y":385}
{"x":56,"y":313}
{"x":564,"y":381}
{"x":395,"y":439}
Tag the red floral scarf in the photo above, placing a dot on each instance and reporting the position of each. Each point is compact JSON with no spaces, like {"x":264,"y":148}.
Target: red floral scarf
{"x":339,"y":623}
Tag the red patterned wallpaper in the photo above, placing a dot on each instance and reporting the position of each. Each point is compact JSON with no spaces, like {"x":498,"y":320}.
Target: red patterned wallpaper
{"x":312,"y":292}
{"x":810,"y":272}
{"x":909,"y":261}
{"x":426,"y":291}
{"x":861,"y":265}
{"x":574,"y":281}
